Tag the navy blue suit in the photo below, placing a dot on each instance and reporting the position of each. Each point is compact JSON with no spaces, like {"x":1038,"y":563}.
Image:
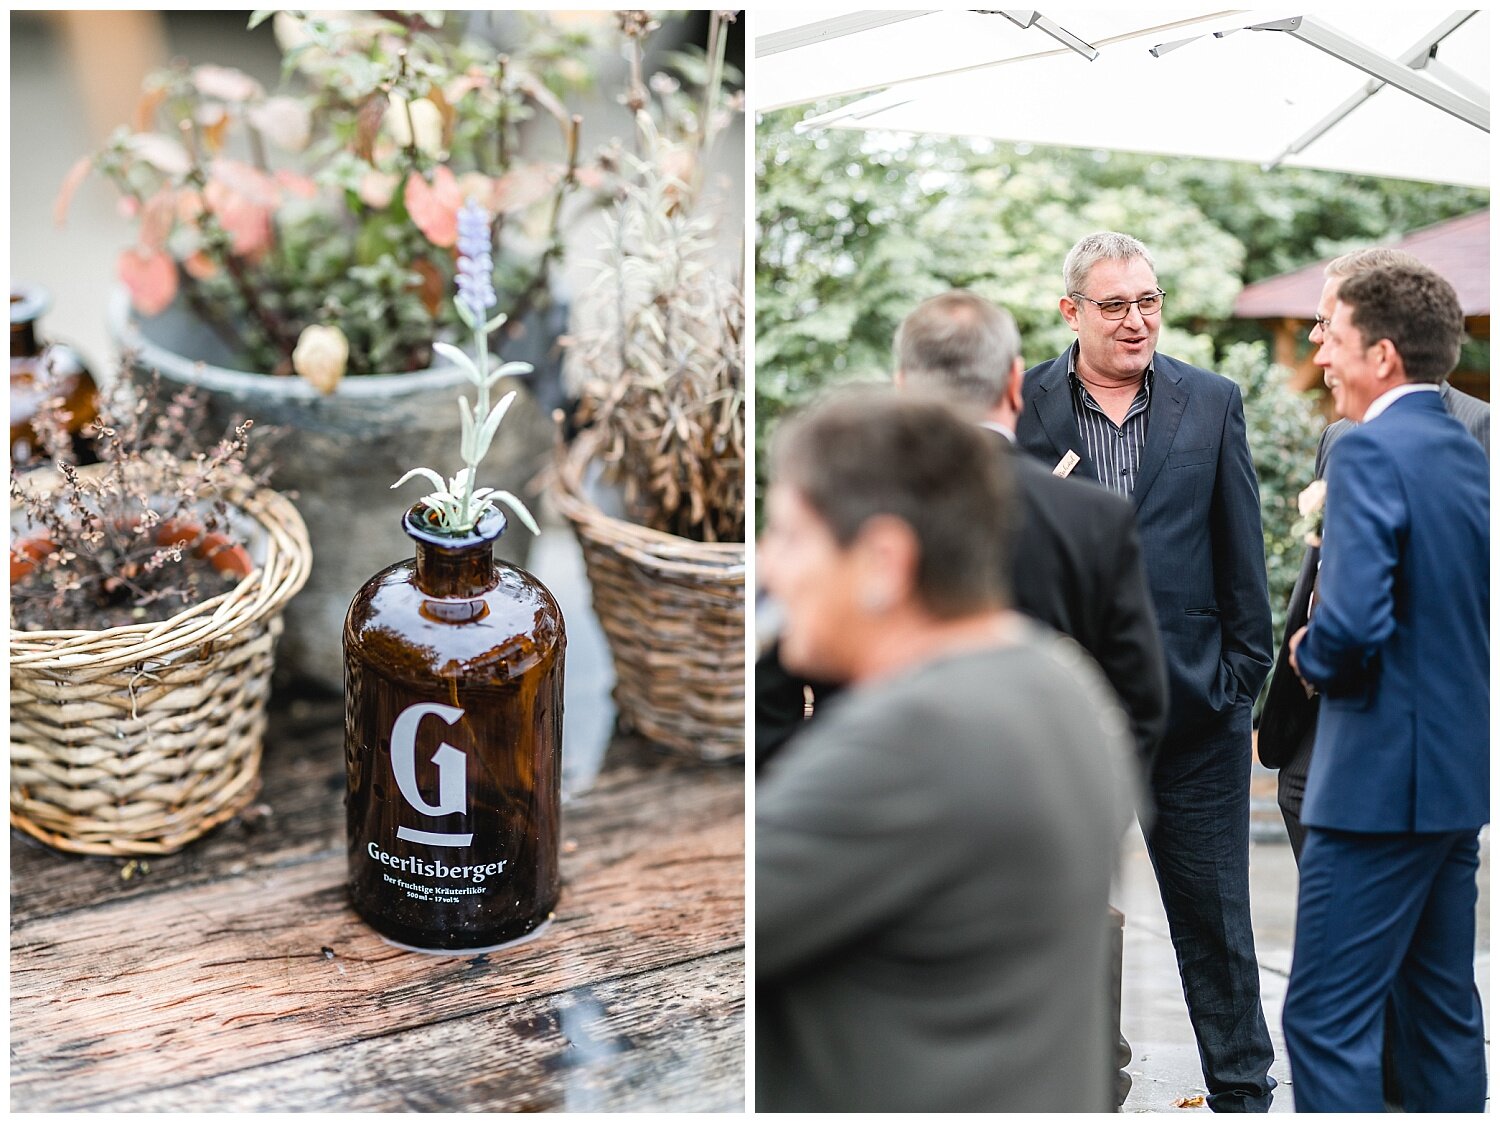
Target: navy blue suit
{"x":1399,"y":783}
{"x":1197,"y":507}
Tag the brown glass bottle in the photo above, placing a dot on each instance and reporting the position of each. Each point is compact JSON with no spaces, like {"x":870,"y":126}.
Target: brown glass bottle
{"x":39,"y":371}
{"x":453,"y":696}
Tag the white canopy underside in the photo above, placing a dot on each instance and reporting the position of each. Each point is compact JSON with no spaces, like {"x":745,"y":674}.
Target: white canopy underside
{"x":1247,"y":95}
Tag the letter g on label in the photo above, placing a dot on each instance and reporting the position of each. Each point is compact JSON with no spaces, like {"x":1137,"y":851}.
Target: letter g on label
{"x":452,"y":765}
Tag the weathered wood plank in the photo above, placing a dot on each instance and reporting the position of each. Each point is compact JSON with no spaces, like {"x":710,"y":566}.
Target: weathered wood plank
{"x":303,"y":793}
{"x":186,"y":985}
{"x":654,"y":1041}
{"x":198,"y":972}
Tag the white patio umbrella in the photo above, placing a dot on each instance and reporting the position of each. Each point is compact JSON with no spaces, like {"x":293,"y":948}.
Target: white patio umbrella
{"x":1407,"y":97}
{"x":806,"y":55}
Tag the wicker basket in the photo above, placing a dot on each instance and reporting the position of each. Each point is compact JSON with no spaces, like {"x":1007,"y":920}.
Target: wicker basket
{"x":136,"y":740}
{"x":674,"y":612}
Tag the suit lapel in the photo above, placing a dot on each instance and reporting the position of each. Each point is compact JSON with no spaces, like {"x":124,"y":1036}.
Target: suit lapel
{"x":1053,"y":406}
{"x":1168,"y":399}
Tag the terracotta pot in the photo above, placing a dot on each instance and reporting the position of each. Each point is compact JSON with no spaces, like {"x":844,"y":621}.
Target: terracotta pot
{"x":341,"y":452}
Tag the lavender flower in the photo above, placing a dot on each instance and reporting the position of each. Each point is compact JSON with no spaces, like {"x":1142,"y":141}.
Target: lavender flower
{"x":476,"y":287}
{"x":456,"y":502}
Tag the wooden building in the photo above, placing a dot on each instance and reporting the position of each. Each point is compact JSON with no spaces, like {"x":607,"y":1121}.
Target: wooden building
{"x":1459,"y":249}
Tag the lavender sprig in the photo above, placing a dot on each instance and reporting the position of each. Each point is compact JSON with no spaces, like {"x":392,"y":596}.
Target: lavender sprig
{"x":456,"y":502}
{"x":476,"y":288}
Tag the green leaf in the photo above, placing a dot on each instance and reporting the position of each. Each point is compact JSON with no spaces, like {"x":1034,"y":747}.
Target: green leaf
{"x":520,"y":509}
{"x":258,"y":17}
{"x":426,"y":473}
{"x":458,"y":357}
{"x":492,"y":424}
{"x":506,"y":370}
{"x":466,"y":443}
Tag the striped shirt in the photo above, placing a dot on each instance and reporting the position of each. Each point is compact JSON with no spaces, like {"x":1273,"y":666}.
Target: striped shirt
{"x":1115,"y":450}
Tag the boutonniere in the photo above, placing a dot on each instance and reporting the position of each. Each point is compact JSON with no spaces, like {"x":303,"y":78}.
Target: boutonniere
{"x":1310,"y":507}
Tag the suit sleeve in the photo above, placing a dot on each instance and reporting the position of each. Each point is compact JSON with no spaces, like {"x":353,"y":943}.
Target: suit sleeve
{"x":1362,"y":530}
{"x":1239,"y":547}
{"x":1130,"y":650}
{"x":844,"y":840}
{"x":1288,"y":710}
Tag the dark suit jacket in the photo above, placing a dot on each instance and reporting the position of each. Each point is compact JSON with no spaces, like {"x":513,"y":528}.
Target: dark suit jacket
{"x":1076,"y":568}
{"x":1197,"y":507}
{"x":1399,"y":645}
{"x":1289,"y":715}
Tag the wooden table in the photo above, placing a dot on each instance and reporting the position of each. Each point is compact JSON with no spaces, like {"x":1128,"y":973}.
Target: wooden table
{"x":234,"y":976}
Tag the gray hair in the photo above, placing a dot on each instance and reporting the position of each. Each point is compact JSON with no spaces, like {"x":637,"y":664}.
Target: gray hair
{"x":959,"y":346}
{"x":1362,"y":261}
{"x":867,"y":451}
{"x":1105,"y":245}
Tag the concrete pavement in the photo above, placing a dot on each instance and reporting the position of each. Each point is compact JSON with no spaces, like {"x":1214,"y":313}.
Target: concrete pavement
{"x":1165,"y":1065}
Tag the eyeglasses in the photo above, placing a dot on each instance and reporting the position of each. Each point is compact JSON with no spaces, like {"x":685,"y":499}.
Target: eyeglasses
{"x":1320,"y":324}
{"x":1119,"y":309}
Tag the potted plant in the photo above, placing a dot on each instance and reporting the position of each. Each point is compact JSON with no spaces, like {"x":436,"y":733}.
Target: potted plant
{"x":146,"y":599}
{"x":656,"y":354}
{"x":293,"y":250}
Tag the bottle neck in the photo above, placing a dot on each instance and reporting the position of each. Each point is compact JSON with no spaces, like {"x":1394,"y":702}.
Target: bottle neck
{"x":454,"y":566}
{"x":23,"y":340}
{"x":465,"y":571}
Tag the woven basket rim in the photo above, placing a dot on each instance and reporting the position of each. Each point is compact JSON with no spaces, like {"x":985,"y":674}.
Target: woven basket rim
{"x":262,"y":593}
{"x":656,"y":546}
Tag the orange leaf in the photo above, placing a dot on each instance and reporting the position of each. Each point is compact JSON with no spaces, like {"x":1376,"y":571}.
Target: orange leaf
{"x":70,"y":184}
{"x":151,"y":279}
{"x":434,"y":207}
{"x":434,"y":285}
{"x":156,"y":220}
{"x":200,"y":266}
{"x":145,"y":109}
{"x":243,"y":179}
{"x":213,"y":124}
{"x":248,"y":224}
{"x":299,"y":185}
{"x":367,"y":125}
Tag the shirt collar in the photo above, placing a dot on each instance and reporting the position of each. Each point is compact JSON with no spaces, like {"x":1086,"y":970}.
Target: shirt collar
{"x":1073,"y":368}
{"x":1008,"y":434}
{"x":1383,"y":403}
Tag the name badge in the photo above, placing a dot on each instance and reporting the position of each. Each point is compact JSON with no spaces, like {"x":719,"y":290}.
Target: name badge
{"x":1066,"y":465}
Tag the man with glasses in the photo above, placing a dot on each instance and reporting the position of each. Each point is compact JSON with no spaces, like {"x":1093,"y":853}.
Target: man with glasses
{"x":1170,"y":437}
{"x":1289,"y":719}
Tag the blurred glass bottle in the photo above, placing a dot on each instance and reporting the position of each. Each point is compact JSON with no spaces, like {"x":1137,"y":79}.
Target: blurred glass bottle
{"x":453,"y":696}
{"x":39,"y":371}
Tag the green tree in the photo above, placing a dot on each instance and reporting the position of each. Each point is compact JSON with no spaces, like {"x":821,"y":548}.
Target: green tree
{"x":855,"y":228}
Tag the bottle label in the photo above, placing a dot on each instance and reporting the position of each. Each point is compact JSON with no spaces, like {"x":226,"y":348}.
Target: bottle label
{"x":423,"y":877}
{"x":452,"y":766}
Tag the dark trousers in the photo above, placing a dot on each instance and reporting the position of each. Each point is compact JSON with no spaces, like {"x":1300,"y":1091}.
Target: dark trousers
{"x":1200,"y":848}
{"x":1377,"y":912}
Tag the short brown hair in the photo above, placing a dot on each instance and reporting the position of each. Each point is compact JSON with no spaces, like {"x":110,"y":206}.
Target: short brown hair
{"x":959,"y":346}
{"x":867,"y":452}
{"x":1413,"y":307}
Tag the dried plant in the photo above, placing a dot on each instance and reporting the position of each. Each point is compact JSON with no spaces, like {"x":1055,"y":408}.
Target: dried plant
{"x":136,"y":539}
{"x":660,"y":369}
